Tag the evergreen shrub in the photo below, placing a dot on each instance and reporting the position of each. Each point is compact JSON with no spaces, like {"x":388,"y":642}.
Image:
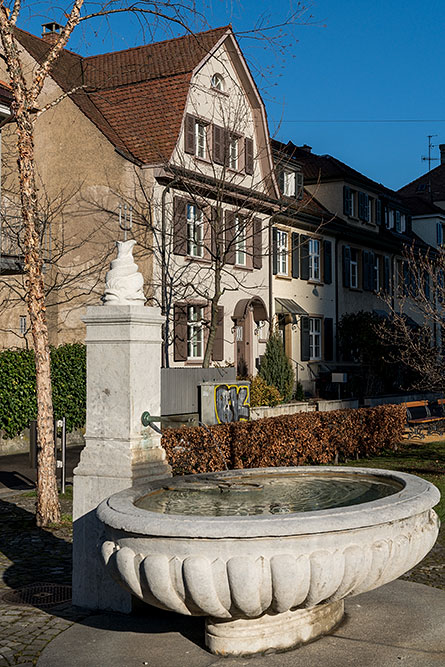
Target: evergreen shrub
{"x":262,"y":393}
{"x":18,"y":387}
{"x":276,"y":369}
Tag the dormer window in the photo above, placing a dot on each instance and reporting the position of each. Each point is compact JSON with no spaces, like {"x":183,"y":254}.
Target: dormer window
{"x":217,"y":82}
{"x":291,"y":183}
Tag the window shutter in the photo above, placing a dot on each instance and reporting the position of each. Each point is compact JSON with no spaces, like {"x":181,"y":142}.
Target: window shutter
{"x":295,"y":255}
{"x":230,"y":237}
{"x":216,"y":235}
{"x":218,"y":343}
{"x":179,"y":226}
{"x":257,"y":243}
{"x":439,"y":233}
{"x":387,"y":274}
{"x":248,"y":155}
{"x":180,"y":332}
{"x":366,"y":262}
{"x":304,"y":257}
{"x":346,"y":266}
{"x":378,"y":212}
{"x":281,"y":180}
{"x":361,"y":205}
{"x":189,"y":134}
{"x":218,"y":144}
{"x":274,"y":252}
{"x":398,"y":221}
{"x":375,"y":260}
{"x":427,"y":286}
{"x":327,"y":262}
{"x":305,"y":343}
{"x":299,"y":185}
{"x":347,"y":207}
{"x":328,"y":324}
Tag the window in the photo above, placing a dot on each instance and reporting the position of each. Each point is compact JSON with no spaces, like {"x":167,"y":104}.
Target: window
{"x":217,"y":82}
{"x":354,"y":268}
{"x":439,"y":233}
{"x":23,"y":326}
{"x":195,"y":332}
{"x":370,"y":210}
{"x":200,"y":139}
{"x":314,"y":338}
{"x":289,"y":183}
{"x":402,"y":223}
{"x":233,"y":153}
{"x":314,"y":259}
{"x":352,"y":205}
{"x":389,"y":218}
{"x":282,"y":253}
{"x":376,"y":273}
{"x":195,"y":231}
{"x":240,"y":241}
{"x":398,"y":221}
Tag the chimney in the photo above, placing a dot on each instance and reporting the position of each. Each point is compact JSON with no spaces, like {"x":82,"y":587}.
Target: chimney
{"x":51,"y":32}
{"x":442,"y":153}
{"x":306,"y":148}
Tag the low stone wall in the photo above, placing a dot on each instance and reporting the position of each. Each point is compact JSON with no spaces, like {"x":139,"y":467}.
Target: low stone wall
{"x":396,"y":399}
{"x":20,"y":444}
{"x":278,"y":410}
{"x":327,"y":406}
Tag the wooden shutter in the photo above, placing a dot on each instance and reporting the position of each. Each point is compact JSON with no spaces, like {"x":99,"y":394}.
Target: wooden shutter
{"x":281,"y":180}
{"x":376,"y":261}
{"x":305,"y":342}
{"x":257,"y":243}
{"x":378,"y":212}
{"x":328,"y":339}
{"x":347,"y":208}
{"x":218,"y":144}
{"x":218,"y":344}
{"x":299,"y":190}
{"x":179,"y":226}
{"x":439,"y":233}
{"x":189,"y":134}
{"x":180,"y":332}
{"x":230,"y":237}
{"x":327,"y":262}
{"x":274,"y":251}
{"x":387,"y":274}
{"x":248,"y":155}
{"x":295,"y":255}
{"x":366,"y":261}
{"x":304,"y":257}
{"x":346,"y":266}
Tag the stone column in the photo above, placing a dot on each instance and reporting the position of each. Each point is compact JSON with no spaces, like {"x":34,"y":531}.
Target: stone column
{"x":123,"y":380}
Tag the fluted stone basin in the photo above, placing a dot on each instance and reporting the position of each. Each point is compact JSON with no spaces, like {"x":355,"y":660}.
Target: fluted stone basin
{"x":253,"y":552}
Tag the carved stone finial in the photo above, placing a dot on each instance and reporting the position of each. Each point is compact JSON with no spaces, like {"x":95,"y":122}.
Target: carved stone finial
{"x":123,"y":282}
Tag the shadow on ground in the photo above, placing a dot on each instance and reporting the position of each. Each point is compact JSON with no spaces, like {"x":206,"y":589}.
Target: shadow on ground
{"x":39,"y":556}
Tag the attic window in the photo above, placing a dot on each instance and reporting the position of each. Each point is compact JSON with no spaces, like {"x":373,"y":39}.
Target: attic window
{"x":421,"y":187}
{"x":217,"y":82}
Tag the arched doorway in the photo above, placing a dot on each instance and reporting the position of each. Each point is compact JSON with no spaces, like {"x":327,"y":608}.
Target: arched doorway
{"x":248,"y":313}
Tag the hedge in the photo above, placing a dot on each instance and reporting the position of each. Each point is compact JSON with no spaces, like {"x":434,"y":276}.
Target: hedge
{"x":18,"y":392}
{"x":288,"y":440}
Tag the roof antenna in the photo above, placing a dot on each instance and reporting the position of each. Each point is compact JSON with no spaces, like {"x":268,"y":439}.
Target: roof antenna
{"x":430,"y":159}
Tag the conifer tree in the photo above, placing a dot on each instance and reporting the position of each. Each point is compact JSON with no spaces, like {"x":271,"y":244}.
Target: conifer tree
{"x":276,"y":369}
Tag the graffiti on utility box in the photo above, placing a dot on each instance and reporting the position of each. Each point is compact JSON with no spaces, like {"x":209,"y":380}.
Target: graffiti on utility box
{"x":232,"y":403}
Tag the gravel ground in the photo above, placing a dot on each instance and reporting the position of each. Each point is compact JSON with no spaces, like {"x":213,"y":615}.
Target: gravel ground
{"x":29,"y":555}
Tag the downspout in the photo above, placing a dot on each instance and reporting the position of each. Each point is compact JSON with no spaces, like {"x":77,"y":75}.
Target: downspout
{"x":336,"y":299}
{"x":166,"y":328}
{"x":270,"y":275}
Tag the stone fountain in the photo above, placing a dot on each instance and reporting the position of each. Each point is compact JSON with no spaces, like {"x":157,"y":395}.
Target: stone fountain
{"x":267,"y":555}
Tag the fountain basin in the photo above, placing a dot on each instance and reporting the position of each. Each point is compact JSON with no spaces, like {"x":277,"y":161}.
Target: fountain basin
{"x":265,"y":580}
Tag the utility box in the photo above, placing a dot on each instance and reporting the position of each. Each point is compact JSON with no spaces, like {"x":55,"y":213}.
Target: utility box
{"x":221,"y":403}
{"x":341,"y":378}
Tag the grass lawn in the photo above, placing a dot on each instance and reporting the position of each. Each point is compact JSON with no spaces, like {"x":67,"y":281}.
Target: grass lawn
{"x":427,"y":460}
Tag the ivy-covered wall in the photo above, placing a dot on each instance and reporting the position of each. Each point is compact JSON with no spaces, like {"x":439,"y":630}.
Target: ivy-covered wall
{"x":18,"y":391}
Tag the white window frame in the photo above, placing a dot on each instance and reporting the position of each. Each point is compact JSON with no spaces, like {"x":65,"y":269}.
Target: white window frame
{"x":315,"y":338}
{"x":390,"y":218}
{"x":23,"y":327}
{"x":195,"y":231}
{"x":282,"y":253}
{"x":240,"y":241}
{"x":217,"y":82}
{"x":353,"y":269}
{"x":200,"y":139}
{"x":233,"y":153}
{"x":314,"y":260}
{"x":402,"y":223}
{"x":289,"y":183}
{"x":195,"y":332}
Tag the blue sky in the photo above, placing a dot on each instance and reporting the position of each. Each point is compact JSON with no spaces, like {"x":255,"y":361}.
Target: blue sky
{"x":356,"y":60}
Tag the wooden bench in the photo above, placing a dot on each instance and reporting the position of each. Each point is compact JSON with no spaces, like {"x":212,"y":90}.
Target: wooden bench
{"x":420,"y":421}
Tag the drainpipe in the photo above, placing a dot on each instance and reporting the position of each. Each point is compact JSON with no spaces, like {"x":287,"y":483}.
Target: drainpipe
{"x":270,"y":274}
{"x":336,"y":298}
{"x":166,"y":328}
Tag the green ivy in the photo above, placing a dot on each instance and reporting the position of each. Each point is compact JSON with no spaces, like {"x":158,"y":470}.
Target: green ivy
{"x":18,"y":387}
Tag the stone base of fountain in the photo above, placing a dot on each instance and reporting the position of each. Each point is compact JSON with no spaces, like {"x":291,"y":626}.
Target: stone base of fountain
{"x":272,"y":632}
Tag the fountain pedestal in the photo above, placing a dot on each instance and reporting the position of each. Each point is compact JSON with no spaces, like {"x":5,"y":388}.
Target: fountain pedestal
{"x":277,"y":632}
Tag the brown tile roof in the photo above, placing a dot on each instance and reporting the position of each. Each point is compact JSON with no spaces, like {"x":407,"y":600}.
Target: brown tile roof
{"x":429,"y":186}
{"x":420,"y":206}
{"x":135,"y":97}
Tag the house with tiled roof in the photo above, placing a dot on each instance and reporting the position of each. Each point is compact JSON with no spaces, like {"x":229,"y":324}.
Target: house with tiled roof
{"x":166,"y":142}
